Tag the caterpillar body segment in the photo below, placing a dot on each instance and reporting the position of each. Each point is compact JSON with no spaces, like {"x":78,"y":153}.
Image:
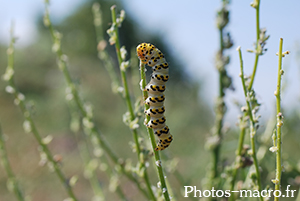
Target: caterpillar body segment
{"x":153,"y":57}
{"x":155,"y":111}
{"x":164,"y":130}
{"x":155,"y":89}
{"x":154,"y":100}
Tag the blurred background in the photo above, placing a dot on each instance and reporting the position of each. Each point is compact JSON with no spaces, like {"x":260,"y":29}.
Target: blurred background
{"x":186,"y":33}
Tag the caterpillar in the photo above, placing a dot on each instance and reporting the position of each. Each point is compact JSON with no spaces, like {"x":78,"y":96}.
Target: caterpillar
{"x":153,"y":57}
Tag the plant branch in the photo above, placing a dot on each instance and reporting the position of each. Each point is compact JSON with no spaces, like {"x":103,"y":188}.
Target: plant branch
{"x":133,"y":118}
{"x":29,"y":125}
{"x":12,"y":182}
{"x":257,"y":54}
{"x":88,"y":122}
{"x":102,"y":53}
{"x":152,"y":139}
{"x":253,"y":121}
{"x":279,"y":123}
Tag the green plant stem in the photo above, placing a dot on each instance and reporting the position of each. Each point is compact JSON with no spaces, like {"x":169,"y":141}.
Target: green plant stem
{"x":128,"y":100}
{"x":83,"y":146}
{"x":102,"y":53}
{"x":124,"y":77}
{"x":252,"y":124}
{"x":33,"y":128}
{"x":11,"y":176}
{"x":83,"y":149}
{"x":238,"y":157}
{"x":95,"y":134}
{"x":158,"y":161}
{"x":257,"y":45}
{"x":86,"y":157}
{"x":220,"y":105}
{"x":242,"y":133}
{"x":279,"y":122}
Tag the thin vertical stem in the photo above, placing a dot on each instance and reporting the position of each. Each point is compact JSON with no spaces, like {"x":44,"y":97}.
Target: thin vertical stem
{"x":279,"y":122}
{"x":123,"y":75}
{"x":252,"y":124}
{"x":238,"y":157}
{"x":220,"y":112}
{"x":12,"y":180}
{"x":128,"y":99}
{"x":258,"y":50}
{"x":152,"y":139}
{"x":30,"y":125}
{"x":102,"y":53}
{"x":257,"y":54}
{"x":224,"y":83}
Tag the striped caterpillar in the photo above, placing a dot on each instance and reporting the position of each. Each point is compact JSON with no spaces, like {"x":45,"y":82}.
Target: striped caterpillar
{"x":153,"y":57}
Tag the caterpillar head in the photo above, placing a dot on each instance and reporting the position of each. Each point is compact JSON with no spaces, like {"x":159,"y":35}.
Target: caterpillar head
{"x":144,"y":51}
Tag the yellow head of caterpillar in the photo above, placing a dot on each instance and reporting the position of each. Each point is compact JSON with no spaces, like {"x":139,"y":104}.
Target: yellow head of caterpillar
{"x":144,"y":51}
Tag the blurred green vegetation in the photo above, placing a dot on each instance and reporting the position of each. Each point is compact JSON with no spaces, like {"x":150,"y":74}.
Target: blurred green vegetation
{"x":189,"y":117}
{"x":38,"y":77}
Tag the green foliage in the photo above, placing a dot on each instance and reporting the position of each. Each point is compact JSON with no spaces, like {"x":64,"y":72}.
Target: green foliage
{"x":91,"y":144}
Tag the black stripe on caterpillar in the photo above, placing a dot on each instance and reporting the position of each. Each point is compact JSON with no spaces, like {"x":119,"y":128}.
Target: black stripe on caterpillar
{"x":153,"y":57}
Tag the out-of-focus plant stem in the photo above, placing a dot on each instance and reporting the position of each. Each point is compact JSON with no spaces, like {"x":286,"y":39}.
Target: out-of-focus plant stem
{"x":87,"y":119}
{"x":102,"y":53}
{"x":224,"y":83}
{"x":238,"y":156}
{"x":30,"y":125}
{"x":12,"y":180}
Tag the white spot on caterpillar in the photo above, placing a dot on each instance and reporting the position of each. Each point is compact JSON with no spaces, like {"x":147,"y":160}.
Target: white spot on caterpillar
{"x":164,"y":190}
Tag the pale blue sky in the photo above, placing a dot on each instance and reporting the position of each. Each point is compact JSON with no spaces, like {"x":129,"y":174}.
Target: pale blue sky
{"x":188,"y":28}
